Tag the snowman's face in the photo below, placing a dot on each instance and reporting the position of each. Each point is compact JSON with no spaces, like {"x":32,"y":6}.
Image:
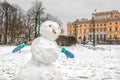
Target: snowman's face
{"x":50,"y":30}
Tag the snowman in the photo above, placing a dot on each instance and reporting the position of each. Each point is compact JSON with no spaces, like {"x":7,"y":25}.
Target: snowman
{"x":44,"y":52}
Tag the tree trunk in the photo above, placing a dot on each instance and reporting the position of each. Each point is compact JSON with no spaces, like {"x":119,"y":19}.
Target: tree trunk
{"x":35,"y":26}
{"x":6,"y":28}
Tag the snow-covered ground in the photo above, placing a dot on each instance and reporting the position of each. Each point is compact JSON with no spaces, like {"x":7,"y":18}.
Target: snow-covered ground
{"x":90,"y":63}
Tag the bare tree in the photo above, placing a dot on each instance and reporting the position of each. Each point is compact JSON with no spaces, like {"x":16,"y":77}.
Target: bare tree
{"x":12,"y":22}
{"x":16,"y":26}
{"x":1,"y":22}
{"x":30,"y":28}
{"x":6,"y":9}
{"x":53,"y":18}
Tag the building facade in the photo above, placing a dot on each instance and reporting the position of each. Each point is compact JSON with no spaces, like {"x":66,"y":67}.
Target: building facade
{"x":105,"y":26}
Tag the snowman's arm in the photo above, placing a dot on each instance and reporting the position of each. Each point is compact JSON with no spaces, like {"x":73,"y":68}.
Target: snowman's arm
{"x":67,"y":53}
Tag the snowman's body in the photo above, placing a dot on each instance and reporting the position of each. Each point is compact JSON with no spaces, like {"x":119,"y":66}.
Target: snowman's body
{"x":44,"y":52}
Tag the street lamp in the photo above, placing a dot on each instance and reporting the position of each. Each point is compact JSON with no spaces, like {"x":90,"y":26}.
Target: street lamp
{"x":75,"y":34}
{"x":38,"y":16}
{"x":93,"y":23}
{"x":84,"y":39}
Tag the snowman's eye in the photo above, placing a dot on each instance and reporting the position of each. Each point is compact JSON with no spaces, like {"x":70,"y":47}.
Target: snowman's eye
{"x":49,"y":25}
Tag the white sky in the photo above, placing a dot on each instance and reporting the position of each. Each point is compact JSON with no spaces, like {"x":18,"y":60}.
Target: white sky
{"x":70,"y":10}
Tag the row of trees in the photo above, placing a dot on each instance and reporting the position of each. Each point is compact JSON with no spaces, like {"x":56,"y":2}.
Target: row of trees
{"x":17,"y":26}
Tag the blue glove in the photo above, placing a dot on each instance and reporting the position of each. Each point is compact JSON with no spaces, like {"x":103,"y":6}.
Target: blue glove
{"x":18,"y":48}
{"x":67,"y":53}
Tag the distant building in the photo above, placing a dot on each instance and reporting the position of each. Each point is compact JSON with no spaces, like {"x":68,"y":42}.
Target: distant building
{"x":106,"y":25}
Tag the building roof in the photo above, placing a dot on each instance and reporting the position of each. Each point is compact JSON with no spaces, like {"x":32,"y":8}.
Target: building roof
{"x":101,"y":20}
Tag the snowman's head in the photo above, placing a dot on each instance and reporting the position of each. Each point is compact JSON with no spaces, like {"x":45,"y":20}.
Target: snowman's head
{"x":50,"y":30}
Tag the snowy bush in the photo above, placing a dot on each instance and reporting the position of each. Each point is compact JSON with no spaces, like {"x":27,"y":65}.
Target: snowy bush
{"x":63,"y":40}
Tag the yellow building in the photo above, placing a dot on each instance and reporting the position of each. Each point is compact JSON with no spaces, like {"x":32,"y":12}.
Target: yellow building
{"x":106,"y":25}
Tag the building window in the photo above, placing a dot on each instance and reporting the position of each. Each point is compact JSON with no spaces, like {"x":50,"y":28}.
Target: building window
{"x":100,"y":37}
{"x":76,"y":26}
{"x":110,"y":23}
{"x":110,"y":37}
{"x":89,"y":25}
{"x":116,"y":28}
{"x":89,"y":30}
{"x":97,"y":38}
{"x":116,"y":16}
{"x":85,"y":25}
{"x":70,"y":31}
{"x":97,"y":24}
{"x":104,"y":37}
{"x":104,"y":24}
{"x":80,"y":37}
{"x":97,"y":29}
{"x":100,"y":29}
{"x":90,"y":37}
{"x":104,"y":29}
{"x":110,"y":29}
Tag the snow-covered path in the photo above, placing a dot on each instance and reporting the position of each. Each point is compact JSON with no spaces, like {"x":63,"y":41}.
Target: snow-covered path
{"x":101,"y":63}
{"x":92,"y":64}
{"x":10,"y":62}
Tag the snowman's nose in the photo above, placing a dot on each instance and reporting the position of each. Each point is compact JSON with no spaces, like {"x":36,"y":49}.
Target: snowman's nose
{"x":54,"y":31}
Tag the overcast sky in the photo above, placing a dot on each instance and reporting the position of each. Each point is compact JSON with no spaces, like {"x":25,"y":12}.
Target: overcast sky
{"x":70,"y":10}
